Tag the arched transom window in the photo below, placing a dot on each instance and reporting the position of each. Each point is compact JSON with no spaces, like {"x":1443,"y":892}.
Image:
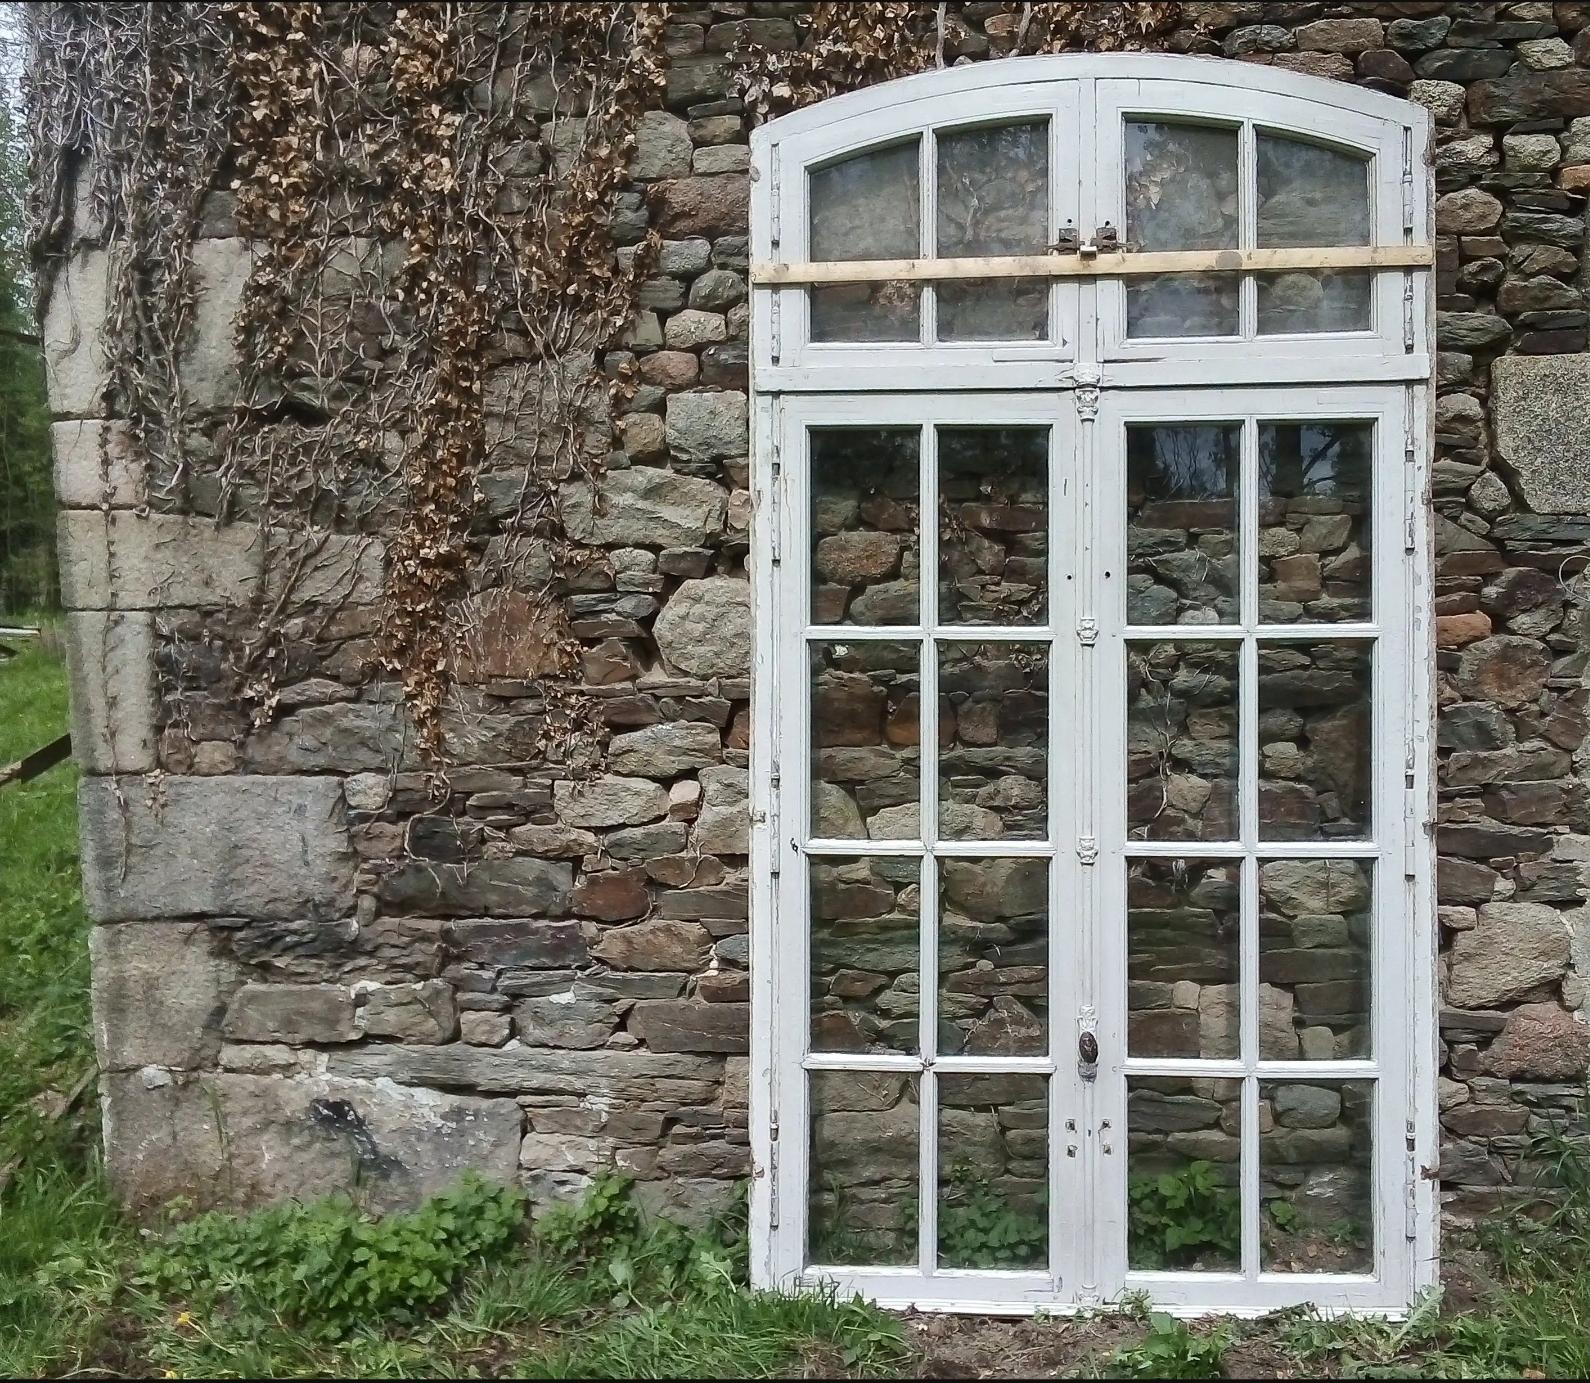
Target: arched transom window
{"x":1091,"y":923}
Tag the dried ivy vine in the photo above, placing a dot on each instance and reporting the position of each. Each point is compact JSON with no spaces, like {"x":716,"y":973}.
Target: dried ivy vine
{"x":427,"y":193}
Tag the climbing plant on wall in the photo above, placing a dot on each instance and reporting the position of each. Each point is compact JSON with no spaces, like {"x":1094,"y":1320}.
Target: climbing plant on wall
{"x":428,"y":194}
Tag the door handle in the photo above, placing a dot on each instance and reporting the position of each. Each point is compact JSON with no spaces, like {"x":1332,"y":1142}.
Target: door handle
{"x":1087,"y":1055}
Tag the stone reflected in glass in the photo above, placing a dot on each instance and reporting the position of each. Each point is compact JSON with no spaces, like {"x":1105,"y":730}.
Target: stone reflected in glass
{"x":865,"y":953}
{"x":1183,"y":931}
{"x":993,"y":733}
{"x":993,"y":309}
{"x":866,"y":755}
{"x":1183,"y":1174}
{"x":1311,"y":196}
{"x":1317,"y":301}
{"x":993,"y":1203}
{"x":993,"y":957}
{"x":993,"y":525}
{"x":1314,"y":952}
{"x":1314,"y":522}
{"x":1181,"y":194}
{"x":1181,"y":741}
{"x":993,"y":199}
{"x":1182,"y":527}
{"x":864,"y":1177}
{"x":1316,"y":1201}
{"x":1314,"y":750}
{"x":867,"y":206}
{"x":865,"y":489}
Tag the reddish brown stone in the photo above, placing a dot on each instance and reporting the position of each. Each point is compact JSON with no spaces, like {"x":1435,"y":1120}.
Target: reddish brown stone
{"x":1541,"y":1042}
{"x":710,"y":206}
{"x":614,"y":895}
{"x":1453,"y":631}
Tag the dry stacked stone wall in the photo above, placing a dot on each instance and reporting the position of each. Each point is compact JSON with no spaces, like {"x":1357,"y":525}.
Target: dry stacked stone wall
{"x":311,"y":972}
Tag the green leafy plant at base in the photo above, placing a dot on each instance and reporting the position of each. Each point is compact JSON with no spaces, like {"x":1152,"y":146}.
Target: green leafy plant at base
{"x":327,"y":1267}
{"x":1171,"y":1350}
{"x":979,"y":1228}
{"x":1176,"y":1217}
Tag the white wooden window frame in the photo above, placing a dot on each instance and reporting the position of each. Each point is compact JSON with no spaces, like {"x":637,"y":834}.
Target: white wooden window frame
{"x":1086,"y":386}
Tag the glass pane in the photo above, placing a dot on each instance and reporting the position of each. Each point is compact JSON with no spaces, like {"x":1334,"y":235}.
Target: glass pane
{"x":1314,"y":524}
{"x":865,"y":487}
{"x":1311,"y":196}
{"x":1181,"y":741}
{"x":994,"y":957}
{"x":1314,"y":948}
{"x":993,"y":310}
{"x":1184,"y":1156}
{"x":993,"y":525}
{"x":865,"y":952}
{"x":1184,"y":921}
{"x":1181,"y":523}
{"x":1326,"y":300}
{"x":867,"y":207}
{"x":866,"y":701}
{"x":1181,"y":194}
{"x":1315,"y":1177}
{"x":865,"y":1173}
{"x":993,"y":1172}
{"x":993,"y":199}
{"x":993,"y":741}
{"x":1314,"y":751}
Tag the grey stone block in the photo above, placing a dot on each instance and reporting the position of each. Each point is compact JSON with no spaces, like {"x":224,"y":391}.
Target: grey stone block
{"x":111,"y":658}
{"x":220,"y":270}
{"x":642,"y":1077}
{"x":241,"y":1140}
{"x":95,"y":464}
{"x":160,"y":991}
{"x":291,"y":1013}
{"x":128,"y":561}
{"x":243,"y":846}
{"x":1539,"y":404}
{"x":74,"y":357}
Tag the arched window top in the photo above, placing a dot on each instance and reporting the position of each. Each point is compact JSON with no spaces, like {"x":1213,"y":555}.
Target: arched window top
{"x":1200,"y":205}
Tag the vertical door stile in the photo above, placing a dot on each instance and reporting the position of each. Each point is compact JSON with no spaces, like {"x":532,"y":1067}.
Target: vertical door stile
{"x":928,"y":825}
{"x":1248,"y":817}
{"x":1064,"y":1130}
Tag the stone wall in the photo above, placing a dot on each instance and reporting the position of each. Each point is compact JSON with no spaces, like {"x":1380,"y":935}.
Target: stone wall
{"x":310,"y":972}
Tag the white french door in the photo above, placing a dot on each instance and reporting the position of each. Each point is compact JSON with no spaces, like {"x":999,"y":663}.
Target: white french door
{"x":1089,"y":848}
{"x":1092,"y":934}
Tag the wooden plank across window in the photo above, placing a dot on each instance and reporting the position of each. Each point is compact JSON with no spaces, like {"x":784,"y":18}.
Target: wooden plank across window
{"x":1105,"y":264}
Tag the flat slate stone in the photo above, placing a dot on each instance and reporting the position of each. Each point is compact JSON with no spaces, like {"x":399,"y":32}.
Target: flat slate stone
{"x":1539,"y":404}
{"x":243,"y":846}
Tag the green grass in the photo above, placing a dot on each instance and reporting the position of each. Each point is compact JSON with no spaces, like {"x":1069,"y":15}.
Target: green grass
{"x":467,"y":1288}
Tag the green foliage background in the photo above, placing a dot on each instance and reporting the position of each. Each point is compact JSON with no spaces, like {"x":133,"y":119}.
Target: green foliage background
{"x":27,"y":546}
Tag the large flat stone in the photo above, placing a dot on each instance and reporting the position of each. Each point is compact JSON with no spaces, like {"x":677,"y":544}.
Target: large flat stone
{"x":345,"y":737}
{"x":621,"y":1076}
{"x":644,"y":506}
{"x":74,"y":356}
{"x":242,"y":846}
{"x":244,"y":1140}
{"x":160,"y":991}
{"x":490,"y":888}
{"x":219,"y":270}
{"x":95,"y":464}
{"x":111,"y":659}
{"x":1539,"y":404}
{"x":128,"y":561}
{"x":1513,"y":948}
